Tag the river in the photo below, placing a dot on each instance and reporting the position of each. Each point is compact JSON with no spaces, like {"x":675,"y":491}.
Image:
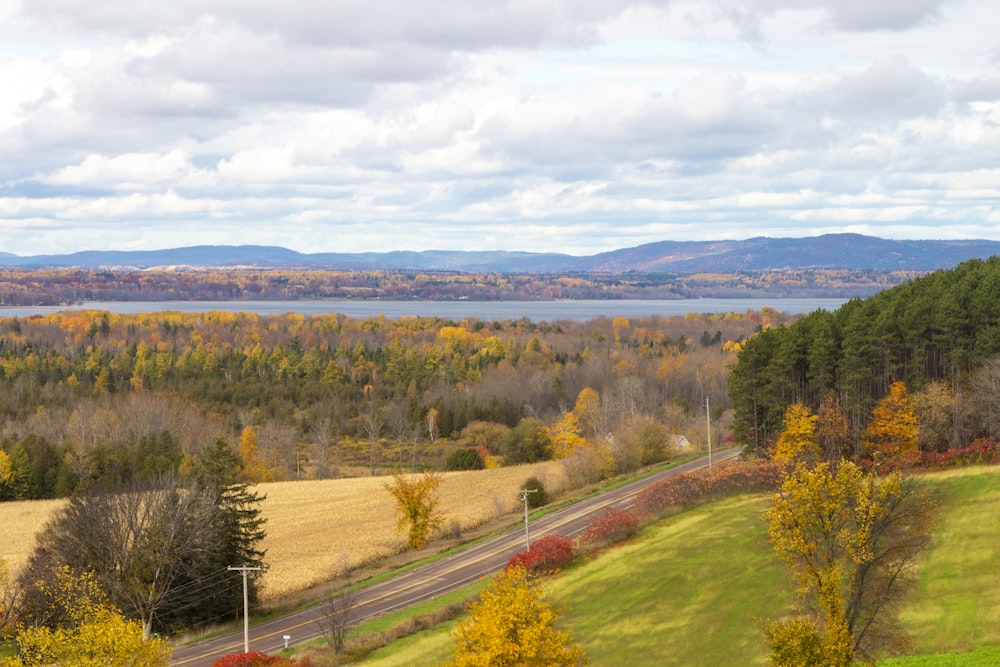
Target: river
{"x":551,"y":311}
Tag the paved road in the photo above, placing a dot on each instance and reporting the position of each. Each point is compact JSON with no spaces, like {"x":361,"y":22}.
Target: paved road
{"x":429,"y":580}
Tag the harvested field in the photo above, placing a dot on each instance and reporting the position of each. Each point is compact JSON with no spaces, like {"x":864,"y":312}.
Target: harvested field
{"x":319,"y":529}
{"x":22,"y":520}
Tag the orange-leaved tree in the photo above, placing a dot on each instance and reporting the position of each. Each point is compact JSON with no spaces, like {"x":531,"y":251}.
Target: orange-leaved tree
{"x":833,"y":430}
{"x":893,"y":431}
{"x":512,"y":624}
{"x":416,"y":505}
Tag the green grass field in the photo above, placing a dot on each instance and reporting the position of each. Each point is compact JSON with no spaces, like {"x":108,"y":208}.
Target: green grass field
{"x":696,"y":588}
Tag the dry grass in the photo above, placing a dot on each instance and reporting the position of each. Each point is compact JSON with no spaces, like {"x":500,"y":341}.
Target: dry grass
{"x":22,"y":520}
{"x":317,"y":530}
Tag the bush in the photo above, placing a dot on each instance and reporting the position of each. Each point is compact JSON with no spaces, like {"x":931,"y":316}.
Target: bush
{"x":981,"y":451}
{"x":610,"y":527}
{"x":256,"y":659}
{"x":466,"y":458}
{"x":539,"y":497}
{"x":547,"y":554}
{"x":687,"y":489}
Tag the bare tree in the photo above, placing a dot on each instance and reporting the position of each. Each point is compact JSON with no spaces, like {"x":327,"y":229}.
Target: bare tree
{"x":137,"y":541}
{"x":372,"y":422}
{"x":335,"y":619}
{"x":401,"y":428}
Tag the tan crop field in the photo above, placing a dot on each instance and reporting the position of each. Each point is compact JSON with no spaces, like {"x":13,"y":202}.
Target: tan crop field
{"x":21,"y":521}
{"x":319,"y":529}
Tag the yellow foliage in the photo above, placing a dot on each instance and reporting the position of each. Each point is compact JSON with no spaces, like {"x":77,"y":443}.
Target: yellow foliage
{"x":511,"y":624}
{"x":797,"y":441}
{"x":848,"y":537}
{"x":95,"y":633}
{"x":255,"y":469}
{"x":416,"y":505}
{"x":893,"y":429}
{"x":566,"y":437}
{"x":6,"y":469}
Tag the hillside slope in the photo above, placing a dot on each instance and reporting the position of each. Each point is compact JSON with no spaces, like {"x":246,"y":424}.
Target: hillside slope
{"x":696,"y":588}
{"x":830,"y":251}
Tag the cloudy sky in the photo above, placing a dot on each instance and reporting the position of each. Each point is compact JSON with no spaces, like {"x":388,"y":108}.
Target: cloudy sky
{"x":573,"y":126}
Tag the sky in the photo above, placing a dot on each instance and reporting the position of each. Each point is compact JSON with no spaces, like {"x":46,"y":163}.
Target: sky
{"x":572,"y":126}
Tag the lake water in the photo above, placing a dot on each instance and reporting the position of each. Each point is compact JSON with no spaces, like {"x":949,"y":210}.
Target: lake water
{"x":551,"y":311}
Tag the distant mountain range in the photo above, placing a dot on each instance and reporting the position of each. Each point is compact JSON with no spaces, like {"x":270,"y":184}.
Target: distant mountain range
{"x":830,"y":251}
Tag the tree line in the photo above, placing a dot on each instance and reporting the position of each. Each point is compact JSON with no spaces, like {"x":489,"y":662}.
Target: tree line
{"x":938,"y":334}
{"x":29,"y":287}
{"x":96,"y":398}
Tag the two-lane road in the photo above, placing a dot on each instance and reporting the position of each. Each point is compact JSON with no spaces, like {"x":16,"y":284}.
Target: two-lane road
{"x":431,"y":580}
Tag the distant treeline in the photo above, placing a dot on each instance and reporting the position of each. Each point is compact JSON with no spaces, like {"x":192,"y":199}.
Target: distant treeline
{"x":91,"y":397}
{"x":21,"y":287}
{"x":940,"y":334}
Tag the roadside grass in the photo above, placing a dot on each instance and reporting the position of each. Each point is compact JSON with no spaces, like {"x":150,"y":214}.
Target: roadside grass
{"x":697,"y":587}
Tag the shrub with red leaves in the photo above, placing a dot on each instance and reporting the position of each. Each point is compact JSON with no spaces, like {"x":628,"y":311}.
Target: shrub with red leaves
{"x":610,"y":527}
{"x":257,"y":659}
{"x":983,"y":451}
{"x":687,"y":489}
{"x":547,"y":554}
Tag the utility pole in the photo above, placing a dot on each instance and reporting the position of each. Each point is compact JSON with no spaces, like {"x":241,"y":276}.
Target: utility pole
{"x":524,"y":496}
{"x":708,"y":421}
{"x":246,"y":605}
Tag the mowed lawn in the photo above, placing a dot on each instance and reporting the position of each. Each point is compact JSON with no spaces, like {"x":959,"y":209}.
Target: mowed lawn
{"x":696,"y":588}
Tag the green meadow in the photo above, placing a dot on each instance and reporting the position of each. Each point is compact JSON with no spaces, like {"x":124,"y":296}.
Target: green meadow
{"x":695,"y":589}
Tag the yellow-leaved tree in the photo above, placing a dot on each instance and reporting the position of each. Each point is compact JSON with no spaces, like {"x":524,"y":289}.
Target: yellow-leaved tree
{"x":566,"y":437}
{"x":850,"y":538}
{"x":255,"y":469}
{"x":93,"y":633}
{"x":797,"y":441}
{"x":416,"y":505}
{"x":512,"y":624}
{"x":893,"y":430}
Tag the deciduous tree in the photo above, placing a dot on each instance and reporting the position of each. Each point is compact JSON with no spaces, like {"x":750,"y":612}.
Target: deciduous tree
{"x":416,"y":505}
{"x":833,"y":430}
{"x":797,"y":441}
{"x":93,"y":634}
{"x":850,"y":538}
{"x":138,"y":541}
{"x":513,"y":624}
{"x":893,"y":430}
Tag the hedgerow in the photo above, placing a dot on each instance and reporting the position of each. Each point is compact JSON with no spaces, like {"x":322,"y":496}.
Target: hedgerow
{"x":609,"y":527}
{"x":257,"y":659}
{"x":687,"y":489}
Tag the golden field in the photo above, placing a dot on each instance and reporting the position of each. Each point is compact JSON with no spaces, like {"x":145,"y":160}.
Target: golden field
{"x":320,"y":529}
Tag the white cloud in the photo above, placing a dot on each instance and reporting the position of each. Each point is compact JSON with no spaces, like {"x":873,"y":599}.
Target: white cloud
{"x":559,"y":125}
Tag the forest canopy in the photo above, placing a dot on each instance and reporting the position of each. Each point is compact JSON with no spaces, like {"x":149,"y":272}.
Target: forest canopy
{"x":938,"y":334}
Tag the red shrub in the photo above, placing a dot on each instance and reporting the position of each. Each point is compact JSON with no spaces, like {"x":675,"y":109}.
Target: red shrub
{"x":981,"y":452}
{"x":610,"y":527}
{"x":686,"y":489}
{"x":547,"y":554}
{"x":256,"y":659}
